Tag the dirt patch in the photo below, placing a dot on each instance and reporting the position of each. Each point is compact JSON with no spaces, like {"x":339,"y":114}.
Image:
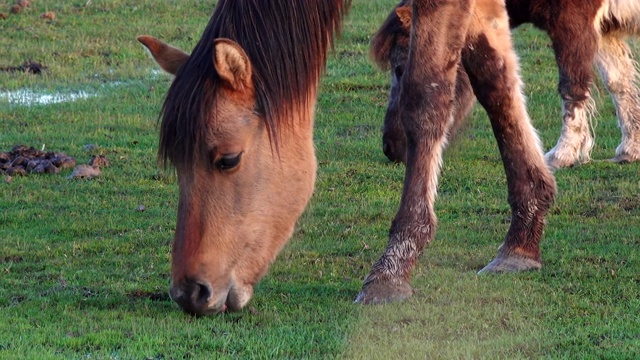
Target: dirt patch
{"x":29,"y":67}
{"x":11,"y":259}
{"x":153,"y":296}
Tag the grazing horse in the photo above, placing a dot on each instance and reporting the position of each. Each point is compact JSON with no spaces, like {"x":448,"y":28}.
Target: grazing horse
{"x":237,"y":126}
{"x":582,"y":32}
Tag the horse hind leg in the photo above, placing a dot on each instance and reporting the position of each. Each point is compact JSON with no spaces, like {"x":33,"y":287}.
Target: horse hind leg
{"x":619,"y":74}
{"x":492,"y":67}
{"x":575,"y":48}
{"x":576,"y":141}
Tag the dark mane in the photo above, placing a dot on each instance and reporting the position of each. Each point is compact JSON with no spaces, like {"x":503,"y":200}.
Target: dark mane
{"x":287,"y":43}
{"x":385,"y":38}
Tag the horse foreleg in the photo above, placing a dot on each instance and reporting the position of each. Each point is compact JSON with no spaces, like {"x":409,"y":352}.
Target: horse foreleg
{"x":618,"y":72}
{"x":425,"y":105}
{"x":493,"y":70}
{"x":575,"y":47}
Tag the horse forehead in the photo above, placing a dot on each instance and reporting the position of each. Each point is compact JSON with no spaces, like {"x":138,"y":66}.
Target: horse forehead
{"x":229,"y":119}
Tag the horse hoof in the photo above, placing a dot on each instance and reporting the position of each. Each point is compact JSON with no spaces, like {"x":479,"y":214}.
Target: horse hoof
{"x":564,"y":159}
{"x":511,"y":263}
{"x":554,"y":163}
{"x":382,"y":292}
{"x":623,"y":159}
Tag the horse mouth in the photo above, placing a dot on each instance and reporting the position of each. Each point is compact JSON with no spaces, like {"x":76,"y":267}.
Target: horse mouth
{"x":211,"y":311}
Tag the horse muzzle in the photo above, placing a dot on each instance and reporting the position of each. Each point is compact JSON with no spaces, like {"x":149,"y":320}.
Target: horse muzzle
{"x":196,"y":297}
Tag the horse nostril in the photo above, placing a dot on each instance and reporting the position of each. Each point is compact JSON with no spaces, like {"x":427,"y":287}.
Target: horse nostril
{"x":192,"y":296}
{"x":201,"y":293}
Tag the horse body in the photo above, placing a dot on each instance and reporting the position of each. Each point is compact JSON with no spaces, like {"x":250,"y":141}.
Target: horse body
{"x":582,"y":33}
{"x":237,"y":126}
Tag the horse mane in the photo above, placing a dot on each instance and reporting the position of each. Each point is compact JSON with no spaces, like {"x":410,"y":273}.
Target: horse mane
{"x":287,"y":43}
{"x":385,"y":38}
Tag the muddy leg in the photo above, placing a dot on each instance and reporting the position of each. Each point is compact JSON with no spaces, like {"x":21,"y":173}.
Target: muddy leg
{"x":616,"y":66}
{"x":575,"y":48}
{"x":493,"y":70}
{"x":427,"y":87}
{"x":394,"y":141}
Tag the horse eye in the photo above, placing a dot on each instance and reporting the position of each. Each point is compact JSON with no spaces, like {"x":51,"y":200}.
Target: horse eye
{"x":228,"y":161}
{"x":399,"y":70}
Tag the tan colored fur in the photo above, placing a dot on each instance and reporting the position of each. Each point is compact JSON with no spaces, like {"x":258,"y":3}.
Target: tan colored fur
{"x":168,"y":57}
{"x":254,"y":206}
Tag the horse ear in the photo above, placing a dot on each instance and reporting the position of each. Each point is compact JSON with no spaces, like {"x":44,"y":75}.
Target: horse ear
{"x":232,"y":64}
{"x":404,"y":14}
{"x":168,"y":57}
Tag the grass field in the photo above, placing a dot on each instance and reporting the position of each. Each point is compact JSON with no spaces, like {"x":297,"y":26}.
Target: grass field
{"x":85,"y":275}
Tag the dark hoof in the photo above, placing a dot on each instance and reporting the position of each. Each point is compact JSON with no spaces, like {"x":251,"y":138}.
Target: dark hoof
{"x":623,"y":159}
{"x":511,"y":263}
{"x":382,"y":292}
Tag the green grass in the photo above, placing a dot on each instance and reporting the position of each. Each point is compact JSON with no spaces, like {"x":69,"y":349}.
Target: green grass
{"x":84,"y":275}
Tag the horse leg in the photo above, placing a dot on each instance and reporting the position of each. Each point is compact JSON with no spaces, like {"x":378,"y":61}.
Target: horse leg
{"x":427,"y":87}
{"x":575,"y":45}
{"x":616,"y":66}
{"x":493,"y":71}
{"x":394,"y":141}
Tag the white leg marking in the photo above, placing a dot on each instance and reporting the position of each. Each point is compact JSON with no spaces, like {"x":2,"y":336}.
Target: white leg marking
{"x":617,"y":69}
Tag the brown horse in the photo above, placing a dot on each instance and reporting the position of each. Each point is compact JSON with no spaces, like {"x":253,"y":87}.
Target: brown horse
{"x":237,"y":125}
{"x":582,"y":32}
{"x":449,"y":39}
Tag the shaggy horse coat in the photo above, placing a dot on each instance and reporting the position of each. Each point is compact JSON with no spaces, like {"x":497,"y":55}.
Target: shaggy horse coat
{"x":453,"y":42}
{"x":582,"y":32}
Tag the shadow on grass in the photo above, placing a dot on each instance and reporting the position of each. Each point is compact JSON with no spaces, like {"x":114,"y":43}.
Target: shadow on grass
{"x":451,"y":315}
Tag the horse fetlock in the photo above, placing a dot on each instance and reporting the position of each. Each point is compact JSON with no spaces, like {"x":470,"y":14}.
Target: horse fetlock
{"x":570,"y":150}
{"x":628,"y":150}
{"x":557,"y":159}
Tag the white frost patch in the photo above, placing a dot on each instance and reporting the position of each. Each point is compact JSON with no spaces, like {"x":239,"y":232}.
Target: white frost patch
{"x":29,"y":97}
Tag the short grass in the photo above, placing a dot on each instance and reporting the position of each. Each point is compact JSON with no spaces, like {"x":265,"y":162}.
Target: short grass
{"x":85,"y":275}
